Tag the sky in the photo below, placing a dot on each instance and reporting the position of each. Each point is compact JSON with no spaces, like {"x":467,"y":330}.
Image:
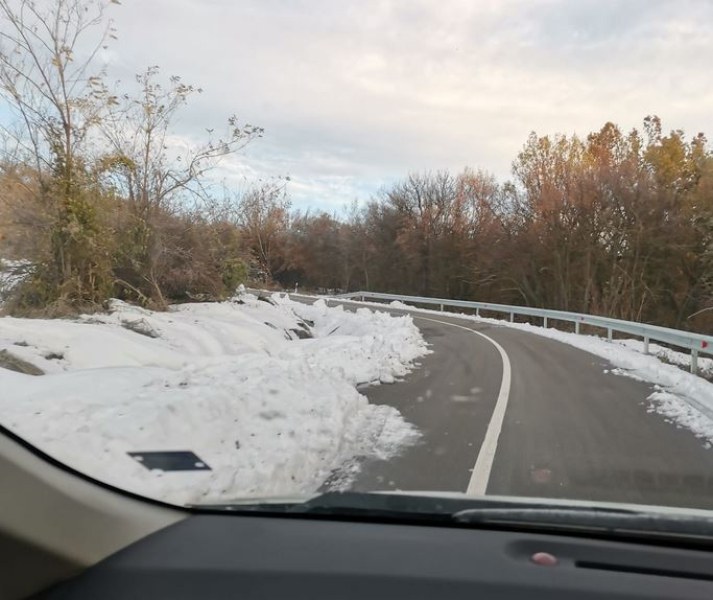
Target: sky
{"x":355,"y":94}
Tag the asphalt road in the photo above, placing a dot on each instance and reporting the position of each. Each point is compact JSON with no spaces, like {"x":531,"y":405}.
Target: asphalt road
{"x":534,"y":418}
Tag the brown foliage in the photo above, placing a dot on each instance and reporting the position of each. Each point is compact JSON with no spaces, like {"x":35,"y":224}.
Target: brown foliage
{"x":614,"y":224}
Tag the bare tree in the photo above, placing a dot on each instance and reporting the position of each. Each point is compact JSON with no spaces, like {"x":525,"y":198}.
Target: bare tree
{"x":263,"y":216}
{"x":149,"y":171}
{"x":47,"y":84}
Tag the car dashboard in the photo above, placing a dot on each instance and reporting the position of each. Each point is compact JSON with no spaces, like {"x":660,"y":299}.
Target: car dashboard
{"x":215,"y":556}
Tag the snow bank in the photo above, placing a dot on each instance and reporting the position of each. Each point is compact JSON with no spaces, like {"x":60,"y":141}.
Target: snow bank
{"x":270,"y":413}
{"x":680,"y":359}
{"x":389,"y":344}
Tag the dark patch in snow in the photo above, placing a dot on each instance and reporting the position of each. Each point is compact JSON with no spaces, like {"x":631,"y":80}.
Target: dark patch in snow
{"x":342,"y":478}
{"x":302,"y":334}
{"x":269,"y":415}
{"x":140,"y":326}
{"x":54,"y":356}
{"x":304,"y":329}
{"x":13,"y":363}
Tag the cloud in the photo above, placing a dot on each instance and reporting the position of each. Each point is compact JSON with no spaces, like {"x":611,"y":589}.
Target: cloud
{"x":354,"y":94}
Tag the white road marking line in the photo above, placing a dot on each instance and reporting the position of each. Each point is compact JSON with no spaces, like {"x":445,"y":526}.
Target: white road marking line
{"x":478,"y":483}
{"x":480,"y":476}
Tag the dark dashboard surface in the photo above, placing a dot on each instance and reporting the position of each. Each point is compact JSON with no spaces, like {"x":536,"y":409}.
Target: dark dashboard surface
{"x":231,"y":556}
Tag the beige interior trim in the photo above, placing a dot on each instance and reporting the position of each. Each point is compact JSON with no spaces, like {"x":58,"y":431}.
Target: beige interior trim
{"x":62,"y":522}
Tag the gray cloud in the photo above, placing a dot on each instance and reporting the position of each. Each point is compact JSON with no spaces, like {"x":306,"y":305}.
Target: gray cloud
{"x":354,"y":94}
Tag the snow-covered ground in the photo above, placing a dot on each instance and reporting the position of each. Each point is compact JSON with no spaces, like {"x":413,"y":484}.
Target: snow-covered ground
{"x":681,"y":397}
{"x":11,"y":273}
{"x":674,"y":357}
{"x":270,"y":413}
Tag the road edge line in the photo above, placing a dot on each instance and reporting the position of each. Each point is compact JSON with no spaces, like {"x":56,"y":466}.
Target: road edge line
{"x":478,"y":483}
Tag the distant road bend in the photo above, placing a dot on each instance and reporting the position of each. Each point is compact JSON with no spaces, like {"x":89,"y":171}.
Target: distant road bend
{"x":507,"y":412}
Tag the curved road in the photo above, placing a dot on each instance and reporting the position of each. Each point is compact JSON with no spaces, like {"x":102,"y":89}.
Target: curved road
{"x":551,"y":423}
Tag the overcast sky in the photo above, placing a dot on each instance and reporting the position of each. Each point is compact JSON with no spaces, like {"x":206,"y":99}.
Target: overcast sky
{"x":354,"y":94}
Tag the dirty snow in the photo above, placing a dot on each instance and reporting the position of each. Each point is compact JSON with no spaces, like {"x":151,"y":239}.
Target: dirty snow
{"x":270,"y":413}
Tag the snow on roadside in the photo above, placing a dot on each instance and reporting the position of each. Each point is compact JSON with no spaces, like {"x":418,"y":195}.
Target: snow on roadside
{"x":680,"y":359}
{"x":679,"y":396}
{"x":389,"y":344}
{"x":270,"y":414}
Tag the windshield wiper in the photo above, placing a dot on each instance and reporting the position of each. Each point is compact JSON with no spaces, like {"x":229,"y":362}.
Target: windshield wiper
{"x":485,"y":512}
{"x":602,"y":520}
{"x":352,"y":504}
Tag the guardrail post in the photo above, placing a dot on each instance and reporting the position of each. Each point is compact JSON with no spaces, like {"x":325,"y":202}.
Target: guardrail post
{"x":477,"y":312}
{"x":576,"y":327}
{"x":609,"y":334}
{"x":441,"y":307}
{"x":544,"y":324}
{"x":694,"y":361}
{"x":362,"y":298}
{"x":512,"y":317}
{"x":646,"y":345}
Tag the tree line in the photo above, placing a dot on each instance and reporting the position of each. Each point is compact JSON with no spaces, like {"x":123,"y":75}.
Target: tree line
{"x":617,"y":224}
{"x":99,"y":202}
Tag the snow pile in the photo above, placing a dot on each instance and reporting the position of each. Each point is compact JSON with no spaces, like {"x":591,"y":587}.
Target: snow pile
{"x":270,"y":413}
{"x":389,"y":344}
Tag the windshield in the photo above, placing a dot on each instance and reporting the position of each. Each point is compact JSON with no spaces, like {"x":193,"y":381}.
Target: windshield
{"x":256,"y":252}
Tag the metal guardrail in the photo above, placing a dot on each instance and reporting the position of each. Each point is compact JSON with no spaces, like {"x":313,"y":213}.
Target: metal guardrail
{"x":694,"y":342}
